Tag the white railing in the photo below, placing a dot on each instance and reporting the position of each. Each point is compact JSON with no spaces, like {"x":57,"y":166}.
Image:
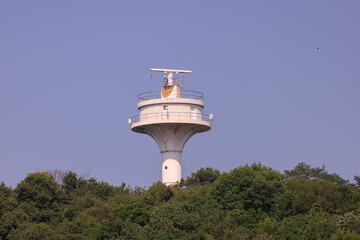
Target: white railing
{"x":170,"y":116}
{"x":157,"y":94}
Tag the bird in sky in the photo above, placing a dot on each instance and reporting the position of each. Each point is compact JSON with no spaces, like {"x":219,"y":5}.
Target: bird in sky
{"x":318,"y":49}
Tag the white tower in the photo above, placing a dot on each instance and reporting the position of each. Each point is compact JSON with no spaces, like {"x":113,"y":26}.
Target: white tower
{"x":171,"y":116}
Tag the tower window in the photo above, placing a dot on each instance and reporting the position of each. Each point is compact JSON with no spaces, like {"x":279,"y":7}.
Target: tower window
{"x":165,"y":167}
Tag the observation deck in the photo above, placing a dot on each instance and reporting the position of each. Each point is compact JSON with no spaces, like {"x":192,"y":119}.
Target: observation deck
{"x":185,"y":108}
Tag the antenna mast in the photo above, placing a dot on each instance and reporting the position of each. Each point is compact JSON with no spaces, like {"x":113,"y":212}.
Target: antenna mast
{"x":181,"y":61}
{"x":181,"y":75}
{"x":151,"y":82}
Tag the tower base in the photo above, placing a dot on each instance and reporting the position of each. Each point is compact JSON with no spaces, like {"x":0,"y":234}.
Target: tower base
{"x":171,"y":167}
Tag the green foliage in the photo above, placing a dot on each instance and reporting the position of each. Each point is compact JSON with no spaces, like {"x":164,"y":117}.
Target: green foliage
{"x":254,"y":188}
{"x":267,"y":228}
{"x":249,"y":202}
{"x":305,"y":171}
{"x":316,"y":224}
{"x":176,"y":221}
{"x":6,"y":202}
{"x":136,"y":212}
{"x":41,"y":189}
{"x":12,"y":220}
{"x":158,"y":193}
{"x":325,"y":194}
{"x":67,"y":236}
{"x":73,"y":185}
{"x":349,"y":222}
{"x":104,"y":190}
{"x":70,"y":212}
{"x":357,"y":180}
{"x":202,"y":176}
{"x":348,"y":235}
{"x":31,"y":231}
{"x":70,"y":182}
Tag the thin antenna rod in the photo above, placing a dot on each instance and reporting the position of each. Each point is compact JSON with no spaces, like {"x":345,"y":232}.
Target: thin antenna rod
{"x":181,"y":61}
{"x":181,"y":75}
{"x":151,"y":82}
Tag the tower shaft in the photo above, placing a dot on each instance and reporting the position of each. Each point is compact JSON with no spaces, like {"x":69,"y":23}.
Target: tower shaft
{"x":171,"y":139}
{"x":171,"y":167}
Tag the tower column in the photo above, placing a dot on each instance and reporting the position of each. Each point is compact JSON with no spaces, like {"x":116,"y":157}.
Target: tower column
{"x":171,"y":167}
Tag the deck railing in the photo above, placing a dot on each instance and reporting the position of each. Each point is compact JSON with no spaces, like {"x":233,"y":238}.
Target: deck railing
{"x":157,"y":94}
{"x":171,"y":116}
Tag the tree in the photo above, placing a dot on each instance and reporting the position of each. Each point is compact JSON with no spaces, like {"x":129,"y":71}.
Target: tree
{"x":304,"y":171}
{"x":12,"y":220}
{"x":41,"y":191}
{"x":349,"y":222}
{"x":316,"y":224}
{"x":136,"y":212}
{"x":6,"y":203}
{"x":158,"y":193}
{"x":104,"y":190}
{"x":248,"y":202}
{"x":70,"y":182}
{"x":357,"y":180}
{"x":326,"y":194}
{"x":33,"y":231}
{"x":202,"y":176}
{"x":254,"y":188}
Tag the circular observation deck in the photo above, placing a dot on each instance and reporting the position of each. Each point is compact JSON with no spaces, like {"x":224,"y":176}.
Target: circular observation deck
{"x":156,"y":109}
{"x":188,"y":118}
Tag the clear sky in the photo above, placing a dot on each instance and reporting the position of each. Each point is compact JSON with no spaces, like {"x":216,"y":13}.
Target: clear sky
{"x":70,"y":72}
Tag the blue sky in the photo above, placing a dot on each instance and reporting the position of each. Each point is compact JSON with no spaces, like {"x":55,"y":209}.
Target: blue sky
{"x":70,"y":72}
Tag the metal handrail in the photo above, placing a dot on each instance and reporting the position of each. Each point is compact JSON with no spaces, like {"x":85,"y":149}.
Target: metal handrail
{"x":157,"y":94}
{"x":171,"y":116}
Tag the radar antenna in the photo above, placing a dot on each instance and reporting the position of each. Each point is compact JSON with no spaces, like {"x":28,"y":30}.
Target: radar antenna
{"x":169,"y":78}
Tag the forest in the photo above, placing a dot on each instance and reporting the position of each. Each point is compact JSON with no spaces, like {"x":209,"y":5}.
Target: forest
{"x":248,"y":202}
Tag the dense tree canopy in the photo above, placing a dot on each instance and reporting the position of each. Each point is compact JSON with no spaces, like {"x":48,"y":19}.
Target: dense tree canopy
{"x":248,"y":202}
